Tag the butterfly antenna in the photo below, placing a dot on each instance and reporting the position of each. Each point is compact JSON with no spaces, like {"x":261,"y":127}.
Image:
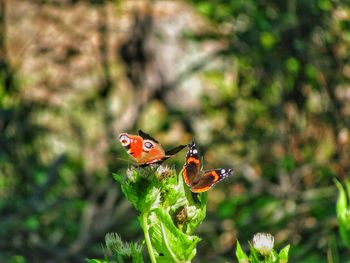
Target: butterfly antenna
{"x":191,"y":143}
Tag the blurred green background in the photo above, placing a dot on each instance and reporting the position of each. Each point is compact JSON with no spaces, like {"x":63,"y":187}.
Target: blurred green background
{"x":262,"y":86}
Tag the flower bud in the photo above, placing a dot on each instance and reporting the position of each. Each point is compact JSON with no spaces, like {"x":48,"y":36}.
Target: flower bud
{"x":263,"y":243}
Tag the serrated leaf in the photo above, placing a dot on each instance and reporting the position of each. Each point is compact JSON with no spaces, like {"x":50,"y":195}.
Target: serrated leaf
{"x":130,"y":191}
{"x":283,"y":255}
{"x":197,"y":212}
{"x":142,"y":193}
{"x":152,"y":199}
{"x":120,"y":252}
{"x":170,"y":212}
{"x":119,"y":178}
{"x":172,"y":194}
{"x":170,"y":243}
{"x":136,"y":253}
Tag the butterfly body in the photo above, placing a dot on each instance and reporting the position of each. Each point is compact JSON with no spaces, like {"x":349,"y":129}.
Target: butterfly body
{"x":197,"y":180}
{"x":145,"y":150}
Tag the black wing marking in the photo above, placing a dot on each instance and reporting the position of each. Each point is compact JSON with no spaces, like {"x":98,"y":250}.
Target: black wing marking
{"x":175,"y":150}
{"x":209,"y":178}
{"x":147,"y":136}
{"x":192,"y":165}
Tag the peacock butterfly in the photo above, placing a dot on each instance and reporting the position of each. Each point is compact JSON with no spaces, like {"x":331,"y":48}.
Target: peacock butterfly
{"x":146,"y":150}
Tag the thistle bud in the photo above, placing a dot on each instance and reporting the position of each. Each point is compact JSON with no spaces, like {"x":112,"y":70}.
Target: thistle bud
{"x":263,"y":243}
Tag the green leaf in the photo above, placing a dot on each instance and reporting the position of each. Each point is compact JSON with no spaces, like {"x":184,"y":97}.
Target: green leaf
{"x":343,"y":211}
{"x":17,"y":259}
{"x":96,"y":261}
{"x":122,"y":251}
{"x":241,"y":255}
{"x":130,"y":192}
{"x":324,"y":5}
{"x":197,"y":205}
{"x":267,"y":40}
{"x":142,"y":192}
{"x":170,"y":212}
{"x":136,"y":253}
{"x":205,"y":8}
{"x":283,"y":255}
{"x":293,"y":65}
{"x":254,"y":255}
{"x":32,"y":223}
{"x":342,"y":202}
{"x":170,"y":243}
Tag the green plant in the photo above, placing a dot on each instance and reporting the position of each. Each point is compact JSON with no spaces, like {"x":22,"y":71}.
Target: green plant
{"x":261,"y":250}
{"x":119,"y":251}
{"x":169,"y":214}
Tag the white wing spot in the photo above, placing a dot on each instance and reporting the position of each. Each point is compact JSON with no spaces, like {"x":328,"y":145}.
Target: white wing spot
{"x":195,"y":151}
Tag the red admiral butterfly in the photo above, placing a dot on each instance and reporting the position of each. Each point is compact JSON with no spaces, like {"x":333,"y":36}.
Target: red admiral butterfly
{"x":146,"y":150}
{"x":200,"y":181}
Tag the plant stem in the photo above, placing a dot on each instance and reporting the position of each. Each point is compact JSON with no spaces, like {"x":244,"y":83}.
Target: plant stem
{"x":147,"y":238}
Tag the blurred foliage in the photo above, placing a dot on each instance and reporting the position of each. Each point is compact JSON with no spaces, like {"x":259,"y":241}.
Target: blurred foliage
{"x":263,"y":86}
{"x":284,"y":68}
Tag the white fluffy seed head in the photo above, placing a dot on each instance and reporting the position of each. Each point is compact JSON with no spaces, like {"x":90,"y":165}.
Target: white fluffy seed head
{"x":263,"y":243}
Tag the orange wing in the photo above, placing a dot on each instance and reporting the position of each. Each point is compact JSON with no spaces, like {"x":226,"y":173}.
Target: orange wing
{"x":208,"y":179}
{"x":133,"y":144}
{"x":192,"y":166}
{"x":200,"y":181}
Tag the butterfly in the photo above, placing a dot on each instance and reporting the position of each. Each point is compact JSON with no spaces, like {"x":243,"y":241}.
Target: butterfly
{"x":146,"y":150}
{"x":197,"y":180}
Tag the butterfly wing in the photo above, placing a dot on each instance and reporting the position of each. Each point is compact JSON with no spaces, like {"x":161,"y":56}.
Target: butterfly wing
{"x":144,"y":136}
{"x":132,"y":143}
{"x":192,"y":165}
{"x":153,"y":152}
{"x":208,"y":179}
{"x":154,"y":155}
{"x":174,"y":150}
{"x":146,"y":150}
